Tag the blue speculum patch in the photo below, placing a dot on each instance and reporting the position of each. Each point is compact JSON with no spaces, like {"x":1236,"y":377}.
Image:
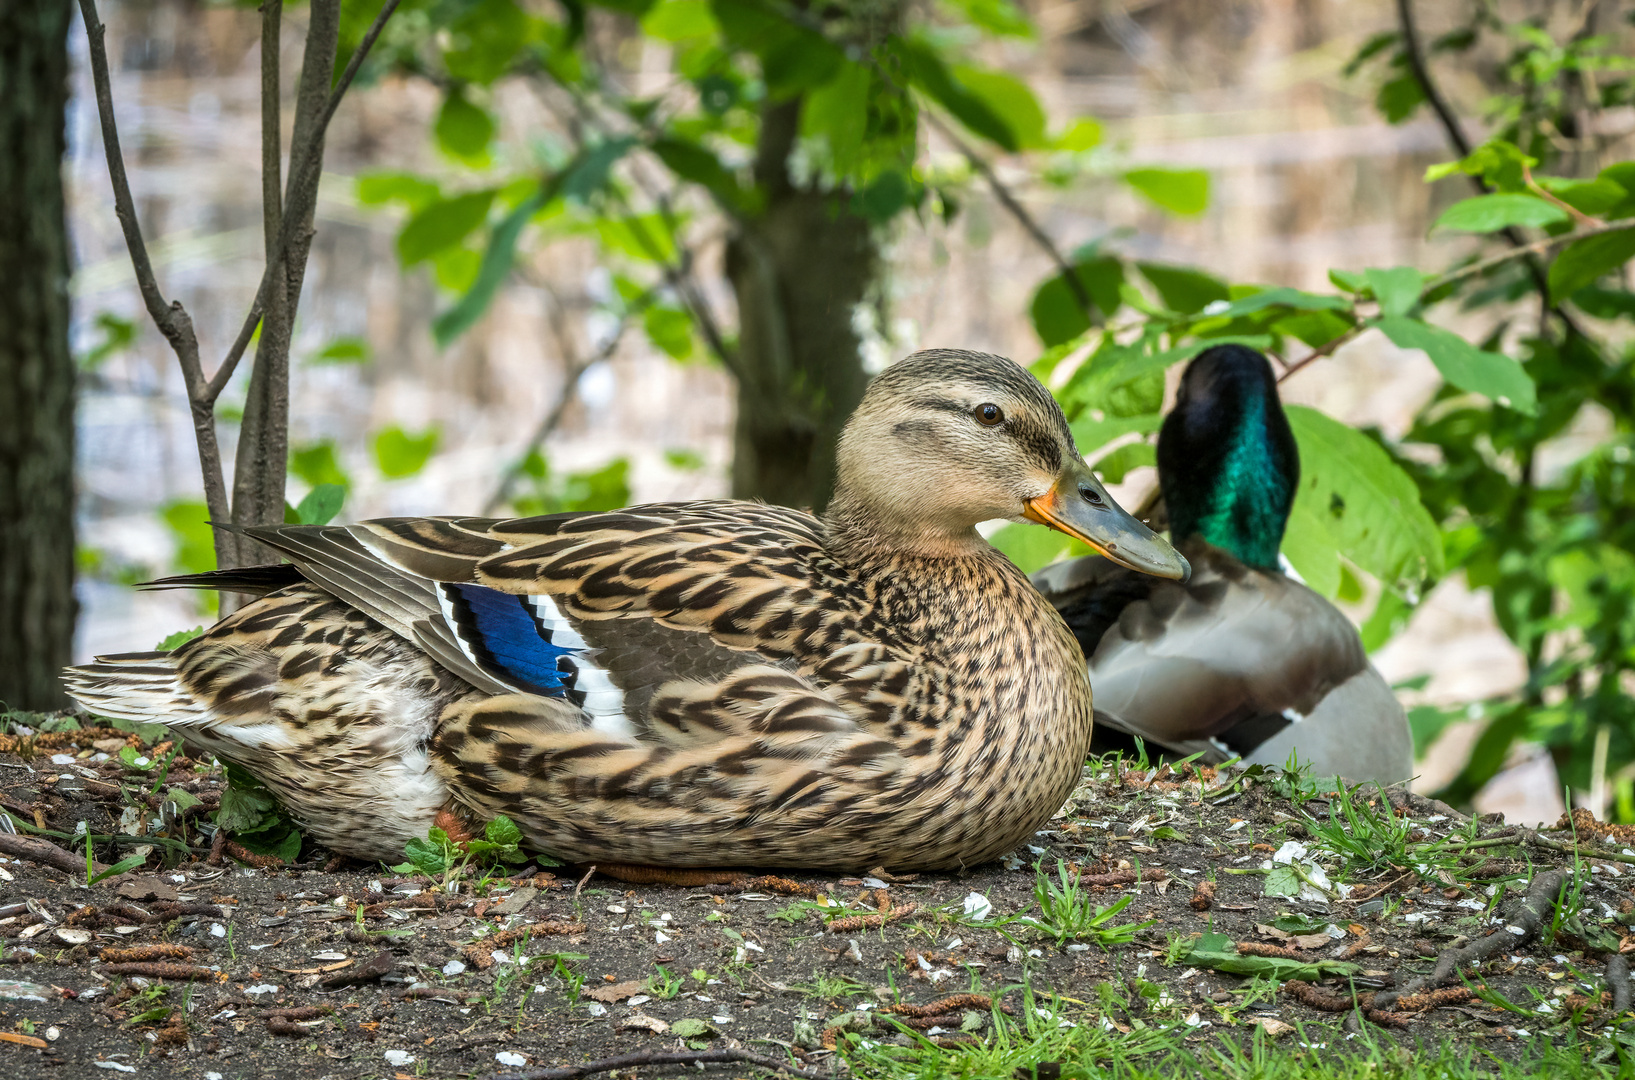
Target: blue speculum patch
{"x":506,"y":638}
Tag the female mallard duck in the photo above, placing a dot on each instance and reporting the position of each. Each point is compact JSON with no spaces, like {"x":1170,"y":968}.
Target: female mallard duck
{"x":691,"y":684}
{"x":1239,"y":661}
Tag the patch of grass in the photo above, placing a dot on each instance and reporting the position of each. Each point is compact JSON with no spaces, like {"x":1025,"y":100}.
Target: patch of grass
{"x":662,"y":984}
{"x":1066,"y":912}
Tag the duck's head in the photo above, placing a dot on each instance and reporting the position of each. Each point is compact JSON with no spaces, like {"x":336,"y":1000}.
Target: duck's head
{"x":1227,"y":461}
{"x":946,"y":439}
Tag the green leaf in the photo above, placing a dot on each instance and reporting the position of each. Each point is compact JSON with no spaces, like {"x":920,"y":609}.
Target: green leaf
{"x":462,"y":129}
{"x":930,"y":75}
{"x":1184,"y":289}
{"x":181,"y":797}
{"x":671,"y":329}
{"x":117,"y":334}
{"x":1282,"y":881}
{"x":486,"y":37}
{"x":115,"y":870}
{"x":1315,"y":328}
{"x":640,"y":236}
{"x":1057,"y":314}
{"x":427,"y":857}
{"x":491,"y":273}
{"x":1083,"y":134}
{"x":380,"y":188}
{"x":343,"y":350}
{"x":195,"y":540}
{"x":1117,"y":464}
{"x":442,"y":225}
{"x":1605,"y":303}
{"x":503,"y":831}
{"x":316,"y":463}
{"x":1180,"y":191}
{"x":1009,"y":99}
{"x":399,"y":454}
{"x":1399,"y":97}
{"x":838,"y":112}
{"x":999,"y":17}
{"x":1586,"y":196}
{"x":1368,"y":505}
{"x":680,"y":20}
{"x":1031,"y":547}
{"x":1218,"y":952}
{"x":321,"y":504}
{"x":245,"y":810}
{"x":589,"y":173}
{"x":800,"y":60}
{"x":1584,"y":262}
{"x":1499,"y":162}
{"x":1090,"y":433}
{"x":1397,"y":289}
{"x":1490,"y":213}
{"x":1312,"y":550}
{"x":1427,"y":722}
{"x":281,"y":841}
{"x":690,"y":1027}
{"x":1491,"y":374}
{"x":1282,"y":296}
{"x":1114,"y":366}
{"x":690,"y":161}
{"x":175,"y":641}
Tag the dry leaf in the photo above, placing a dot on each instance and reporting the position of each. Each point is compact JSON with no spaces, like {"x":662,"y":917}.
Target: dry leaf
{"x":646,"y":1023}
{"x":1273,"y":1028}
{"x":616,"y":992}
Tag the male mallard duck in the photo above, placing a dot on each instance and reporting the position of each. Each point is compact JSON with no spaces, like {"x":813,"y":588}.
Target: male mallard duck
{"x":1240,"y":660}
{"x":688,"y":684}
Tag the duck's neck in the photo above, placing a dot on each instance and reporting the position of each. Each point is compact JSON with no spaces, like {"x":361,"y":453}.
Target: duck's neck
{"x":858,"y":534}
{"x":1229,"y":467}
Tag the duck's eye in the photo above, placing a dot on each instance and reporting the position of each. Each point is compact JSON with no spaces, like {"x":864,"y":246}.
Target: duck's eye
{"x":989,"y":414}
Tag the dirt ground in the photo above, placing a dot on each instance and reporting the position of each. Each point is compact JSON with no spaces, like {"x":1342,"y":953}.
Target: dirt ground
{"x":310,"y":970}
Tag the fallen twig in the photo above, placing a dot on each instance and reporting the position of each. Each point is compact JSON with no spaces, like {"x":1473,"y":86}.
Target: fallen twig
{"x":1122,"y":877}
{"x":44,"y":851}
{"x":143,"y":953}
{"x":1618,"y":983}
{"x":723,"y":1056}
{"x":167,"y":971}
{"x":851,"y":923}
{"x":1535,"y":906}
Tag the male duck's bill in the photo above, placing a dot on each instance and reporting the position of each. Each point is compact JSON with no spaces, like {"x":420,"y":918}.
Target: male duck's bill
{"x":1080,"y":507}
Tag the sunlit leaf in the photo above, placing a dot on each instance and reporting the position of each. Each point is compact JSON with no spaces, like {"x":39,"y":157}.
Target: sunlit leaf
{"x":999,"y":17}
{"x":1367,"y":504}
{"x":671,"y":329}
{"x":1085,"y":133}
{"x":399,"y":454}
{"x":1180,"y":191}
{"x":1490,"y":213}
{"x":680,"y":20}
{"x":316,"y":464}
{"x":189,"y":523}
{"x":1010,"y":99}
{"x":1490,"y":374}
{"x":321,"y":504}
{"x":929,"y":74}
{"x":1397,"y":289}
{"x":343,"y":350}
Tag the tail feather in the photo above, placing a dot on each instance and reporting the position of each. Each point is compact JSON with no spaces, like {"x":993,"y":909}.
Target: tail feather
{"x":140,"y":687}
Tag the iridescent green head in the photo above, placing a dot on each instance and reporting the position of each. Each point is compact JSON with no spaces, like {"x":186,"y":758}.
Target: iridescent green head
{"x":1227,"y":460}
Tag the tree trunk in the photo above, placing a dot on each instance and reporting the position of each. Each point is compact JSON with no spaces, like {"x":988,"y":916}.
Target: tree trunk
{"x":799,"y":270}
{"x":36,"y":370}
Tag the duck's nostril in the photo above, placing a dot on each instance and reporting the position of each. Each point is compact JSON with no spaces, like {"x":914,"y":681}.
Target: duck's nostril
{"x":1091,"y":495}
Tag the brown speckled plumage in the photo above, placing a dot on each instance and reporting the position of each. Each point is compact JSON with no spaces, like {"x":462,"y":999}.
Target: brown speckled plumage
{"x":742,"y":684}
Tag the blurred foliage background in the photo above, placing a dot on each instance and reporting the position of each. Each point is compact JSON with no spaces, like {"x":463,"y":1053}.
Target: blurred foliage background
{"x":571,"y":255}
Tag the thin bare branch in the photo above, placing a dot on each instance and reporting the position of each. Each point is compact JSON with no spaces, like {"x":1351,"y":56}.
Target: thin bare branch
{"x":577,"y":365}
{"x":171,"y":318}
{"x":304,"y":174}
{"x":1029,"y":224}
{"x":696,"y":1058}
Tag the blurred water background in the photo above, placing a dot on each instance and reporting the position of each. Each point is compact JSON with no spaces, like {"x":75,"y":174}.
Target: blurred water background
{"x":1305,"y":176}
